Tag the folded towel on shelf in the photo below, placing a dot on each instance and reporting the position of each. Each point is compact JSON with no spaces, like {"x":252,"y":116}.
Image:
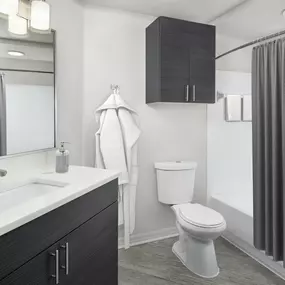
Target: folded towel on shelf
{"x":233,"y":108}
{"x":247,"y":108}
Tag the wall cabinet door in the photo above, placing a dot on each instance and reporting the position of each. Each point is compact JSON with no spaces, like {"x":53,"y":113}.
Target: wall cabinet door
{"x":180,"y":65}
{"x":202,"y":79}
{"x":175,"y":73}
{"x":92,"y":258}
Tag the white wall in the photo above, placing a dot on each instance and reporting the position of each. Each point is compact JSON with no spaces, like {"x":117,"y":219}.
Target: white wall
{"x":229,"y":145}
{"x":114,"y":52}
{"x":239,"y":61}
{"x":67,"y":20}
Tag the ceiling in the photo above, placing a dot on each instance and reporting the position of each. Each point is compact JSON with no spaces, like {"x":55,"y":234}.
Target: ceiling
{"x":256,"y":18}
{"x":244,"y":19}
{"x":195,"y":10}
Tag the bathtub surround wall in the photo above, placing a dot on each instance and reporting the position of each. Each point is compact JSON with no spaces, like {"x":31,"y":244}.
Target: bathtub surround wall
{"x":229,"y":151}
{"x":114,"y":53}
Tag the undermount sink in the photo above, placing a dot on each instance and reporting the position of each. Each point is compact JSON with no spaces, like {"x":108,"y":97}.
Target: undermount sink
{"x":27,"y":192}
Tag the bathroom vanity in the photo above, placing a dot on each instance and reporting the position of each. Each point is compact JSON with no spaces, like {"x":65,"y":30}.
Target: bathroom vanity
{"x":68,"y":236}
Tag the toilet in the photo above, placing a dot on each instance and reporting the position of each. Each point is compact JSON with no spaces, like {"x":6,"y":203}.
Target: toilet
{"x":198,"y":226}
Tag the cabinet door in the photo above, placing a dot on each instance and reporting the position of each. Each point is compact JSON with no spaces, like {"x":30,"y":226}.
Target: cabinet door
{"x":187,"y":58}
{"x":93,"y":251}
{"x":202,"y":83}
{"x":42,"y":270}
{"x":24,"y":243}
{"x":175,"y":73}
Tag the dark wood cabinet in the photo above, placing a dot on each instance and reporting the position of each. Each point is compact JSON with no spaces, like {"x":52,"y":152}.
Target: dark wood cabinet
{"x":180,"y":62}
{"x":39,"y":271}
{"x":93,"y":251}
{"x":85,"y":254}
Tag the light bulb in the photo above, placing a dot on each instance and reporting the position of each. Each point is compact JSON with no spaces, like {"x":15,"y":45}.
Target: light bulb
{"x":15,"y":53}
{"x":40,"y":15}
{"x":17,"y":25}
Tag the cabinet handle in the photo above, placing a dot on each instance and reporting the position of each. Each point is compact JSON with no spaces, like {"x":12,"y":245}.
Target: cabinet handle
{"x":66,"y":266}
{"x":187,"y":93}
{"x":56,"y":275}
{"x":194,"y":93}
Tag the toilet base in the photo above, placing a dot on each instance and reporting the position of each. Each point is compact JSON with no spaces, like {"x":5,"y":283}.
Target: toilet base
{"x":201,"y":257}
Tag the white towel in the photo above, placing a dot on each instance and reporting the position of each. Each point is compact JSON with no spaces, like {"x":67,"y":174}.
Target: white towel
{"x":247,"y":109}
{"x":233,"y":108}
{"x":116,"y":148}
{"x":131,"y":134}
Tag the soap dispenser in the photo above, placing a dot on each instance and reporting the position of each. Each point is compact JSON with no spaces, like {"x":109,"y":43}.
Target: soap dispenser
{"x":62,"y":159}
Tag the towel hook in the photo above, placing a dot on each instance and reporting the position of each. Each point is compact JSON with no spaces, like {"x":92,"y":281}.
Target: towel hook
{"x":220,"y":96}
{"x":115,"y":88}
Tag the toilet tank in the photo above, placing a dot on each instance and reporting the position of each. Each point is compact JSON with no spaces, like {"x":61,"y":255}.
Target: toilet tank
{"x":175,"y":181}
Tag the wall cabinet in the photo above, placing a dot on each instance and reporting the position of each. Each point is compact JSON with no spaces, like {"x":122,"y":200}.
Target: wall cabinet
{"x":87,"y":255}
{"x":180,"y":61}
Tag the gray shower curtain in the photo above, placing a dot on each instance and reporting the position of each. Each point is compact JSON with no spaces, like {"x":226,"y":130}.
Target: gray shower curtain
{"x":3,"y":128}
{"x":268,"y":123}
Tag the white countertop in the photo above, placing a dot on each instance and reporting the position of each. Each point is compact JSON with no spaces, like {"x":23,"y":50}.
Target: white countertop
{"x":79,"y":181}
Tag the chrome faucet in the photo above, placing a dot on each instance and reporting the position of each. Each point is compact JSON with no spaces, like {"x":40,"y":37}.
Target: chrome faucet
{"x":3,"y":172}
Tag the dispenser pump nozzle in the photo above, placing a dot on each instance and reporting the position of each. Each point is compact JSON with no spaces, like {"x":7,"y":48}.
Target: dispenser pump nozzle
{"x":62,"y":146}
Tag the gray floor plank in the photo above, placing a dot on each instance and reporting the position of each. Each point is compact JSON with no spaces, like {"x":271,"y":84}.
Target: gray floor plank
{"x":154,"y":263}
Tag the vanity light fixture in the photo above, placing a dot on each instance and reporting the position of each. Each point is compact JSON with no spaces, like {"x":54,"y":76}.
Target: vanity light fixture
{"x":24,"y":14}
{"x":15,"y":53}
{"x":283,"y":13}
{"x":9,"y":7}
{"x":17,"y":25}
{"x":40,"y":15}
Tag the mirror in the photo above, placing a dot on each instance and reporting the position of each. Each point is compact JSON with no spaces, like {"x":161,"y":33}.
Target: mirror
{"x":27,"y":92}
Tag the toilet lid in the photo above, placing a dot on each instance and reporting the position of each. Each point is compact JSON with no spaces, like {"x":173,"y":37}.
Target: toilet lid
{"x":199,"y":215}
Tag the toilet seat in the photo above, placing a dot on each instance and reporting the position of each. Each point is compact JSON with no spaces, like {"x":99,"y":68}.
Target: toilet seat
{"x":200,"y":216}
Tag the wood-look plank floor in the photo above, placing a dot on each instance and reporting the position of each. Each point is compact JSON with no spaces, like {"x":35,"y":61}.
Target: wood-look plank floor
{"x":155,"y":264}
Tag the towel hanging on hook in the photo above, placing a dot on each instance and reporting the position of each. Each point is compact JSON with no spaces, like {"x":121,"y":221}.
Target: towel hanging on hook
{"x":117,"y":148}
{"x":114,"y":101}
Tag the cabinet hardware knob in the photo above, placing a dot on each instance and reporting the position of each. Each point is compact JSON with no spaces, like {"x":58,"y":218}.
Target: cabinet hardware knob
{"x":66,"y":266}
{"x":187,"y":93}
{"x":194,"y":93}
{"x":56,"y":275}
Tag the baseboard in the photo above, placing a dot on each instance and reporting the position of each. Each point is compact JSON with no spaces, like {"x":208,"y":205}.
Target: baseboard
{"x":138,"y":239}
{"x":259,"y":256}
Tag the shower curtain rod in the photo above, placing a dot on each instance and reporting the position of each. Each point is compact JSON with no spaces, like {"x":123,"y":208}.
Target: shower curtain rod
{"x":252,"y":43}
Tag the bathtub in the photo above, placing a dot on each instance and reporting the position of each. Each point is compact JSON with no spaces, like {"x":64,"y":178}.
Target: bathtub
{"x":238,"y":213}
